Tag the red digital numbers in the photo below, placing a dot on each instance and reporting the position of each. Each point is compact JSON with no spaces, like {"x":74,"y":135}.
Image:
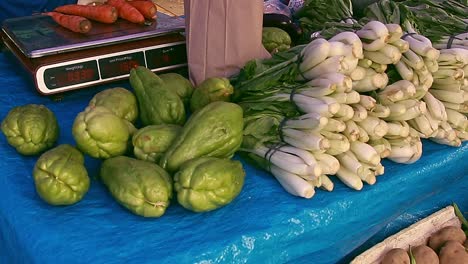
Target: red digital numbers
{"x":79,"y":75}
{"x":126,"y":66}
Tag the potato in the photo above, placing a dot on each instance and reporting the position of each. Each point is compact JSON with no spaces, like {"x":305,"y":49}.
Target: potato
{"x":396,"y":256}
{"x":445,"y":234}
{"x":453,"y":252}
{"x":425,"y":254}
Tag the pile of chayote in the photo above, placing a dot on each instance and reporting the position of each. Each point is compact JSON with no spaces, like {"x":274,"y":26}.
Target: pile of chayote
{"x":148,"y":147}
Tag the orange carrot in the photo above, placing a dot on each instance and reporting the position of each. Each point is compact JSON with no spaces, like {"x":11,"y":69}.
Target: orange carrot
{"x":102,"y":13}
{"x":127,"y":12}
{"x":73,"y":23}
{"x":147,"y":8}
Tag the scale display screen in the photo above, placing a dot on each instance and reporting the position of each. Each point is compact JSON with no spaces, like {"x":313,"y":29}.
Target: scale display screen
{"x":166,"y":56}
{"x":73,"y":74}
{"x":120,"y":65}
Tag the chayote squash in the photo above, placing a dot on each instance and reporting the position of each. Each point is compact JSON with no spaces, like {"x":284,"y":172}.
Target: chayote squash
{"x":211,"y":90}
{"x":181,"y":85}
{"x":207,"y":183}
{"x":275,"y":39}
{"x":213,"y":131}
{"x":158,"y":104}
{"x":120,"y":101}
{"x":142,"y":187}
{"x":30,"y":129}
{"x":150,"y":142}
{"x":60,"y":175}
{"x":100,"y":133}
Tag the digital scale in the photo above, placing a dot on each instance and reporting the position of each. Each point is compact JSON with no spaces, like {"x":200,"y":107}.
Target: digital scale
{"x":60,"y":60}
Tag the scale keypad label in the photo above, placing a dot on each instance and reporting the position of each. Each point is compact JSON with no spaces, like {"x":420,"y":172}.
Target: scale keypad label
{"x":72,"y":74}
{"x":120,"y":65}
{"x":167,"y":56}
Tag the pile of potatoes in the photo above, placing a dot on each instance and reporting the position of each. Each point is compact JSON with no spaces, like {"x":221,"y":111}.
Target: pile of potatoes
{"x":446,"y":246}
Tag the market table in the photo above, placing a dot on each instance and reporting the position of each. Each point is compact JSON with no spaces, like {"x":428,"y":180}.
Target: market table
{"x":263,"y":224}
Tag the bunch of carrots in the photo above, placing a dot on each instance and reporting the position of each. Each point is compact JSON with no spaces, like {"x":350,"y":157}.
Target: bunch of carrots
{"x":77,"y":17}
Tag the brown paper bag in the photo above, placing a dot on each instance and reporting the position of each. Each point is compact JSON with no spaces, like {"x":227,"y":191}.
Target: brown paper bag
{"x":222,"y":35}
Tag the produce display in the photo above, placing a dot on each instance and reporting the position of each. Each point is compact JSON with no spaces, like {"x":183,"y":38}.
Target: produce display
{"x":151,"y":142}
{"x":77,"y":18}
{"x":357,"y":90}
{"x":444,"y":246}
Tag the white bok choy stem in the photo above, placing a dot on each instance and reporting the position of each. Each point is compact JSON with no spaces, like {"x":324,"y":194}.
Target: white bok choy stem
{"x":292,"y":183}
{"x":294,"y":160}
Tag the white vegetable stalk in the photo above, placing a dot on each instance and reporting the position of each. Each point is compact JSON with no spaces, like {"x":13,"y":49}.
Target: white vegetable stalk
{"x":328,"y":163}
{"x":401,"y":44}
{"x":346,"y":98}
{"x":311,"y":121}
{"x":345,"y":113}
{"x":368,"y":102}
{"x":414,"y":108}
{"x":413,"y":60}
{"x":374,"y":35}
{"x":396,"y":109}
{"x":391,"y":52}
{"x":338,"y":143}
{"x":449,"y":96}
{"x":343,"y":83}
{"x":395,"y":32}
{"x":365,"y":153}
{"x":359,"y":73}
{"x":363,"y":136}
{"x":360,"y":112}
{"x":350,"y":38}
{"x":435,"y":107}
{"x":314,"y":53}
{"x":292,"y":183}
{"x":382,"y":146}
{"x":365,"y":63}
{"x":305,"y":140}
{"x":351,"y":131}
{"x":391,"y":93}
{"x":350,"y":179}
{"x":351,"y":163}
{"x":315,"y":105}
{"x":404,"y":70}
{"x":335,"y":125}
{"x":378,"y":57}
{"x":380,"y":111}
{"x":327,"y":184}
{"x":424,"y":125}
{"x":317,"y":91}
{"x":329,"y":65}
{"x":371,"y":83}
{"x":375,"y":127}
{"x":457,"y":120}
{"x":462,"y":108}
{"x":397,"y":129}
{"x":288,"y":161}
{"x":379,"y":68}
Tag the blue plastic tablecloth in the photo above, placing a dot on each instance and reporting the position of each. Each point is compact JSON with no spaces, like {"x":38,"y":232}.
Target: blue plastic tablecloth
{"x":263,"y":225}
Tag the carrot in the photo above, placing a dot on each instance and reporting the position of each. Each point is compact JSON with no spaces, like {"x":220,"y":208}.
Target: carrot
{"x":71,"y":22}
{"x":127,"y":12}
{"x":101,"y":13}
{"x":147,"y":8}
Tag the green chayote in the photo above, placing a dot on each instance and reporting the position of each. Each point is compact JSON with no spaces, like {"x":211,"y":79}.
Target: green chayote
{"x":60,"y":175}
{"x":208,"y":183}
{"x":158,"y":104}
{"x":30,"y":129}
{"x":211,"y":90}
{"x":181,"y":85}
{"x":142,"y":187}
{"x":275,"y":39}
{"x":100,"y":133}
{"x":213,"y":131}
{"x":150,"y":142}
{"x":120,"y":101}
